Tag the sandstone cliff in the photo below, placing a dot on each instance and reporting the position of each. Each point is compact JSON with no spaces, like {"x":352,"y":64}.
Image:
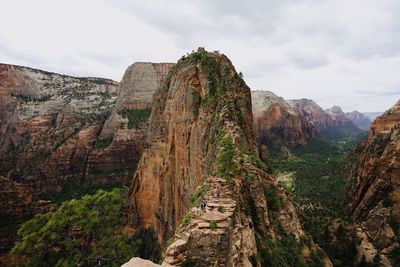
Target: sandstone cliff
{"x":276,"y":122}
{"x":202,"y":142}
{"x":49,"y":123}
{"x":55,"y":135}
{"x":376,"y":189}
{"x":54,"y":128}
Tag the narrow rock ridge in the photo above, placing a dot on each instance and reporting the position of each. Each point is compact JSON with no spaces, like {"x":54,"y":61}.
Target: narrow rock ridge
{"x":201,"y":141}
{"x":375,"y":176}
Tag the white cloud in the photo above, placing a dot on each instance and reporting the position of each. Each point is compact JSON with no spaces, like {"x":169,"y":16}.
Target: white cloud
{"x":336,"y":52}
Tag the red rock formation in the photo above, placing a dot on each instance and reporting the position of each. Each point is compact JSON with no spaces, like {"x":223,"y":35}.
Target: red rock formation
{"x":276,"y":122}
{"x":376,"y":181}
{"x":54,"y":133}
{"x":201,"y":138}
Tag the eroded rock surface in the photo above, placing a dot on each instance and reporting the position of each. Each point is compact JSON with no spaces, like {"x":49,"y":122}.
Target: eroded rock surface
{"x":376,"y":182}
{"x":276,"y":122}
{"x":202,"y":142}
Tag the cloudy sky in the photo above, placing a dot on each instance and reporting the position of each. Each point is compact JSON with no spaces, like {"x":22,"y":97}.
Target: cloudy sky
{"x":335,"y":52}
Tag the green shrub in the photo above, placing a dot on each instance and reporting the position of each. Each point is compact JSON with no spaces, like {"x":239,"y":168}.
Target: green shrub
{"x":103,"y":143}
{"x":274,"y":201}
{"x":281,"y":253}
{"x":221,"y":208}
{"x":197,"y":197}
{"x":213,"y":225}
{"x":186,"y":219}
{"x":136,"y":116}
{"x":226,"y":162}
{"x":82,"y":232}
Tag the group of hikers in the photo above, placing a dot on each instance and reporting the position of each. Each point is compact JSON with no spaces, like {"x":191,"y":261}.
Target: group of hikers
{"x":203,"y":204}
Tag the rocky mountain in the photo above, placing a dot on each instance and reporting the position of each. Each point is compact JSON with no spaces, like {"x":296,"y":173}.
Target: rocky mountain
{"x":359,"y":119}
{"x":313,"y":113}
{"x":202,"y":149}
{"x":62,"y":134}
{"x":275,"y":121}
{"x":337,"y":115}
{"x":290,"y":122}
{"x":375,"y":195}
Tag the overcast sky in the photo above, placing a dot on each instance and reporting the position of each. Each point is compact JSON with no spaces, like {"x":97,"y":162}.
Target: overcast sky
{"x":344,"y":52}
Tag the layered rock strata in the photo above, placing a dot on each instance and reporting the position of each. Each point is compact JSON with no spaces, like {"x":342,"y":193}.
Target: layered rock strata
{"x":202,"y":149}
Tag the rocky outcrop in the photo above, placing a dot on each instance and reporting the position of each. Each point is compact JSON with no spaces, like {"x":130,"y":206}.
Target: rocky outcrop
{"x":125,"y":128}
{"x":359,"y":119}
{"x":202,"y":149}
{"x":276,"y":122}
{"x":49,"y":124}
{"x":313,"y":113}
{"x":54,"y":128}
{"x":376,"y":188}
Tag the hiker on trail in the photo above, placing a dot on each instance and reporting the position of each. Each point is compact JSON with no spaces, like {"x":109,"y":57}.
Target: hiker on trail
{"x":203,"y":206}
{"x":217,"y":192}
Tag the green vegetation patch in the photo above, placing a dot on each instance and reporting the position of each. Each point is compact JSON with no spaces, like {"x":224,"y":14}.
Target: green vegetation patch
{"x":82,"y":232}
{"x":213,"y":225}
{"x":136,"y":117}
{"x":102,"y":143}
{"x":320,"y":191}
{"x":281,"y":253}
{"x":227,"y":165}
{"x":197,"y":197}
{"x":274,"y":201}
{"x":186,"y":219}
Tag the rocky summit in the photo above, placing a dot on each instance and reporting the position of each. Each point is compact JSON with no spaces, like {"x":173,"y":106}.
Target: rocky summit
{"x":200,"y":185}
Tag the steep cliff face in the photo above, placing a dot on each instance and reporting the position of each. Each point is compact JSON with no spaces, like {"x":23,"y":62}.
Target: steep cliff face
{"x":54,"y":128}
{"x":359,"y":119}
{"x":376,"y":182}
{"x":49,"y":123}
{"x":275,"y":121}
{"x":125,"y":128}
{"x":203,"y":149}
